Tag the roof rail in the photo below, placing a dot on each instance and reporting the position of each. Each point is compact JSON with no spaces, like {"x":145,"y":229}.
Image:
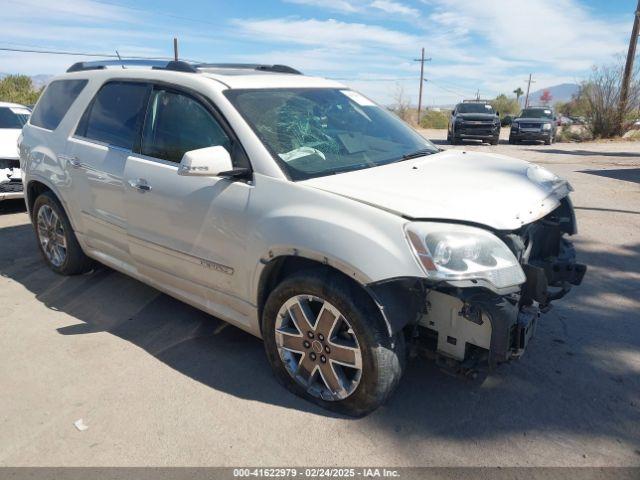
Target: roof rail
{"x":252,"y":66}
{"x":178,"y":66}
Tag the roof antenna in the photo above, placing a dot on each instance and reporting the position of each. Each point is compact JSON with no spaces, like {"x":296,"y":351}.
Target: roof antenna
{"x":175,"y":49}
{"x":120,"y":58}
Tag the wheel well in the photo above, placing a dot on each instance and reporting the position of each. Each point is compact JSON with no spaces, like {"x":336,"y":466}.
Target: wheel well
{"x":281,"y":267}
{"x":34,"y":190}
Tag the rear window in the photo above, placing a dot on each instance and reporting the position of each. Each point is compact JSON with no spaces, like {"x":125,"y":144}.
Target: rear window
{"x":13,"y":117}
{"x":55,"y":103}
{"x":115,"y":114}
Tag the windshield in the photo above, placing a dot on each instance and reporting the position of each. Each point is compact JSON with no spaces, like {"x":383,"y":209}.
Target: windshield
{"x":537,"y":113}
{"x":13,"y":117}
{"x":318,"y":132}
{"x":476,"y":108}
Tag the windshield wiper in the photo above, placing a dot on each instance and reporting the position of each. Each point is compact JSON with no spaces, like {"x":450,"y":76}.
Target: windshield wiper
{"x":418,"y":153}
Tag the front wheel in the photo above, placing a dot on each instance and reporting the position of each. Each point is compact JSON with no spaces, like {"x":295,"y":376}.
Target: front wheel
{"x":327,"y":343}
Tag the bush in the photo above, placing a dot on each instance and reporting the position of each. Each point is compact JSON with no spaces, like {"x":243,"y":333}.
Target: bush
{"x":505,"y":105}
{"x":434,"y":119}
{"x":18,"y":89}
{"x":573,"y":134}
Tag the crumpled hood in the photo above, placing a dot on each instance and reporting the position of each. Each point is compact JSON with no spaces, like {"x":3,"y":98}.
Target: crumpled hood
{"x":500,"y":192}
{"x":9,"y":142}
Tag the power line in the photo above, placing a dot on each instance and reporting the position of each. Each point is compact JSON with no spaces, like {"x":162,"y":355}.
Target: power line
{"x":87,"y":54}
{"x":77,"y":54}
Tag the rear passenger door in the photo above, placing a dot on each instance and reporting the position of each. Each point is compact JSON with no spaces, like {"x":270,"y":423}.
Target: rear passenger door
{"x":186,"y":232}
{"x":97,"y":152}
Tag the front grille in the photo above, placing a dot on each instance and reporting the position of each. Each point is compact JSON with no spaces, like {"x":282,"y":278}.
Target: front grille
{"x":479,"y":125}
{"x":530,"y":125}
{"x":12,"y":186}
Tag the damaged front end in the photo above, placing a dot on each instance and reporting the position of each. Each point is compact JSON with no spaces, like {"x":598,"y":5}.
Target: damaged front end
{"x":470,"y":325}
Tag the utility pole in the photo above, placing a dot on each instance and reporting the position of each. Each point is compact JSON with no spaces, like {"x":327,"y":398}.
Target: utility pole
{"x":529,"y":82}
{"x":628,"y":68}
{"x":175,"y":49}
{"x":421,"y":60}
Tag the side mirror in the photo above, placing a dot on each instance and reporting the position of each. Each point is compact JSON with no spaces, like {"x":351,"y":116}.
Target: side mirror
{"x":453,"y":112}
{"x":206,"y":162}
{"x":497,"y":114}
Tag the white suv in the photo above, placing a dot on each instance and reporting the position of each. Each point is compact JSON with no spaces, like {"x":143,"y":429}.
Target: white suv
{"x":13,"y":116}
{"x":302,"y":212}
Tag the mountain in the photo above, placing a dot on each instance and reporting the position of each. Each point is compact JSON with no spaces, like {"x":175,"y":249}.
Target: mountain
{"x":559,"y":93}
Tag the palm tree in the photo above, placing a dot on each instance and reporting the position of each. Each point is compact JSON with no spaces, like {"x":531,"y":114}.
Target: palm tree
{"x":518,"y":91}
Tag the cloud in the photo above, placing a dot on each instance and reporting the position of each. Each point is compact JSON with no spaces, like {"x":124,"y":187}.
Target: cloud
{"x":392,"y":7}
{"x":335,"y":5}
{"x":324,"y":33}
{"x":561,"y":33}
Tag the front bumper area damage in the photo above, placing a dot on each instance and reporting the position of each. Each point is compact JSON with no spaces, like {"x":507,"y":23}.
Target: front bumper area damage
{"x":469,"y":330}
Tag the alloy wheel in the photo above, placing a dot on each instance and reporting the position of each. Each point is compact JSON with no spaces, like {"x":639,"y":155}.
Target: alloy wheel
{"x":318,"y":347}
{"x":51,"y":235}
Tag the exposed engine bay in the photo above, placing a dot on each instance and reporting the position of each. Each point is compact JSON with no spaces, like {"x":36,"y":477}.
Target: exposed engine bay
{"x":469,"y":330}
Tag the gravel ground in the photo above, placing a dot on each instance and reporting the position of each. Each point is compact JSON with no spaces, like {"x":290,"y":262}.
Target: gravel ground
{"x":160,"y":383}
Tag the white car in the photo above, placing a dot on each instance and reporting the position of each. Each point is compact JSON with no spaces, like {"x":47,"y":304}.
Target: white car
{"x":300,"y":211}
{"x":12,"y":118}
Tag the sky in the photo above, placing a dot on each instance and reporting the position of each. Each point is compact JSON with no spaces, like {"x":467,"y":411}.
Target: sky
{"x":489,"y":46}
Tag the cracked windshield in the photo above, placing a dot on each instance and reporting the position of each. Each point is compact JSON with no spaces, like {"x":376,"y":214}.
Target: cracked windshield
{"x":317,"y":132}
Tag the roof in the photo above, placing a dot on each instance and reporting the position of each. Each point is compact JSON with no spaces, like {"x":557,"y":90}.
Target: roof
{"x":12,"y":105}
{"x":233,"y":76}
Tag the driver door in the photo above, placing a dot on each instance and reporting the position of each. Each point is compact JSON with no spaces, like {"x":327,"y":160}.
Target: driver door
{"x":185,"y":232}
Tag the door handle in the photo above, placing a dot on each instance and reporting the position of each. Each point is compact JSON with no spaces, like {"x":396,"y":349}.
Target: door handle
{"x":71,"y":160}
{"x":140,"y":184}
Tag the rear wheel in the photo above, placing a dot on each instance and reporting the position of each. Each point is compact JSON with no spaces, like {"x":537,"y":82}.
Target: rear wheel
{"x":56,"y":240}
{"x":327,"y":343}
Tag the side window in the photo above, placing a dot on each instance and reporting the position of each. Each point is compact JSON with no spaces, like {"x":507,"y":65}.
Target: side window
{"x":175,"y":124}
{"x":114,"y":115}
{"x":55,"y":102}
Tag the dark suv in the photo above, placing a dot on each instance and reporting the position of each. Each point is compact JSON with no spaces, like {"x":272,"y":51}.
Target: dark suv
{"x":474,"y":120}
{"x":534,"y":124}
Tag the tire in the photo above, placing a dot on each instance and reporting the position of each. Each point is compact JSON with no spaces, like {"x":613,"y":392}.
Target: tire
{"x":454,"y":140}
{"x":548,"y":141}
{"x":52,"y":229}
{"x":382,"y":356}
{"x":495,"y":141}
{"x":512,"y":141}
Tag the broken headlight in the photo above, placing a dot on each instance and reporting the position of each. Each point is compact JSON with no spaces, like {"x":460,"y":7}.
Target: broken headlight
{"x":451,"y":252}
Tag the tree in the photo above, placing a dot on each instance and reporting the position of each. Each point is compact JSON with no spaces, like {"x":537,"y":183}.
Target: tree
{"x":18,"y":89}
{"x":546,"y":97}
{"x":602,"y":95}
{"x":519,"y":92}
{"x":505,"y":105}
{"x":401,"y":105}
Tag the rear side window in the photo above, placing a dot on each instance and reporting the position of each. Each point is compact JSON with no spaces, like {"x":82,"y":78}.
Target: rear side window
{"x":177,"y":123}
{"x":55,"y":103}
{"x":115,"y":114}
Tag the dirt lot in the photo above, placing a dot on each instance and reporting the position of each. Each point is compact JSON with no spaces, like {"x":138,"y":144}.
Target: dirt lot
{"x":159,"y":383}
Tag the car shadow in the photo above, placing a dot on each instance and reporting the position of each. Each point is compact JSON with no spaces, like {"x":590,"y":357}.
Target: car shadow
{"x":12,"y":206}
{"x":586,"y":153}
{"x":574,"y":377}
{"x":625,"y":174}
